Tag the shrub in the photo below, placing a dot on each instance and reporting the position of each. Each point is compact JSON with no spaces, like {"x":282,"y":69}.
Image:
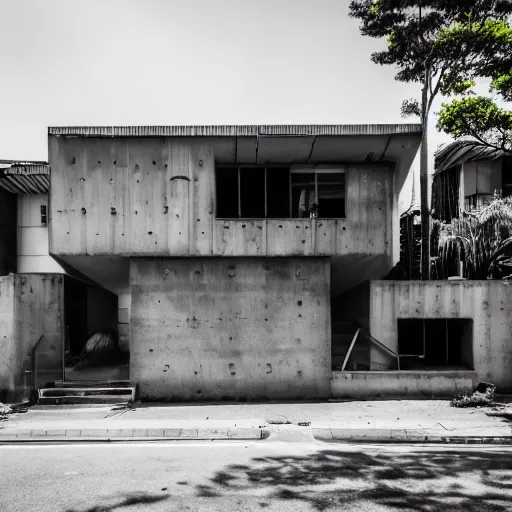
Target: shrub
{"x":476,"y":399}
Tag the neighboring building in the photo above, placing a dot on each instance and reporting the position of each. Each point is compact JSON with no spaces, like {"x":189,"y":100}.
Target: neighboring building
{"x":467,"y":177}
{"x":38,"y":294}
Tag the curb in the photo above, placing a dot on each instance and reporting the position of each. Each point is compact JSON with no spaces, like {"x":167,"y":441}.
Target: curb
{"x":130,"y":435}
{"x":401,"y":437}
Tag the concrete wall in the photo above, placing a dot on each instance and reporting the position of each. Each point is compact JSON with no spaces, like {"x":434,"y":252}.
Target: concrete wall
{"x":487,"y":303}
{"x":7,"y":232}
{"x":230,"y":328}
{"x":32,"y":247}
{"x":118,"y":196}
{"x":35,"y":303}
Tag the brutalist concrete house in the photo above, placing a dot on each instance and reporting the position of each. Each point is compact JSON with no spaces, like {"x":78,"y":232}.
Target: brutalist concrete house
{"x":237,"y":253}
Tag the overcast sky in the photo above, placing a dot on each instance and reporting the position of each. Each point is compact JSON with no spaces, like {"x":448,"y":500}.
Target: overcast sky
{"x":165,"y":62}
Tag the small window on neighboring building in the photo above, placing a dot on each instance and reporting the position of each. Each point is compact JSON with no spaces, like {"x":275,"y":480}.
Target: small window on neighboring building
{"x":44,"y":219}
{"x":434,"y":343}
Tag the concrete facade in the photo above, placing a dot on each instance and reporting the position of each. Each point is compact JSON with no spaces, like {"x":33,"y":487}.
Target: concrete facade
{"x":487,"y":303}
{"x":31,"y":305}
{"x":210,"y":328}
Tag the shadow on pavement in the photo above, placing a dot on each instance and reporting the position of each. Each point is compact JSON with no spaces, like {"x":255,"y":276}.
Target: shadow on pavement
{"x":472,"y":481}
{"x":130,"y":500}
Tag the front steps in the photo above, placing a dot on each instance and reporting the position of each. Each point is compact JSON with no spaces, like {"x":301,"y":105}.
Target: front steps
{"x":341,"y":337}
{"x":87,"y":392}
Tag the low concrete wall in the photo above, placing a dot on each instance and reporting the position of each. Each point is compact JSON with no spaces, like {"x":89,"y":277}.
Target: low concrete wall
{"x":487,"y":303}
{"x":35,"y":303}
{"x":244,"y":328}
{"x":410,"y":384}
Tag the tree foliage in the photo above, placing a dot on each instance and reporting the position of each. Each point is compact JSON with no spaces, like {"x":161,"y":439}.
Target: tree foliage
{"x":442,"y":44}
{"x":481,"y":241}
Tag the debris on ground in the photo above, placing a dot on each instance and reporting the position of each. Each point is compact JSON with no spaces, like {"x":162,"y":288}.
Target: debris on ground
{"x":476,"y":399}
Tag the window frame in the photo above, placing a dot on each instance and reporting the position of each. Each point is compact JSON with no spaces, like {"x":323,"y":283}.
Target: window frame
{"x":316,"y":170}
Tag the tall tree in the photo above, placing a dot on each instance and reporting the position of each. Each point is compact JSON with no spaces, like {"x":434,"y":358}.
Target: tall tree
{"x":442,"y":45}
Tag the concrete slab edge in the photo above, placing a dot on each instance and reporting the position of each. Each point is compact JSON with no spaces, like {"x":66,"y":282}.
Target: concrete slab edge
{"x":455,"y":440}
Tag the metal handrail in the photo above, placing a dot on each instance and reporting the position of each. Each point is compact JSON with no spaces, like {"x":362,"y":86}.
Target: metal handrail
{"x":378,"y":343}
{"x":34,"y":362}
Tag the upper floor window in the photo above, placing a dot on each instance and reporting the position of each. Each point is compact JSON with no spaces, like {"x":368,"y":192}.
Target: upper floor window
{"x":279,"y":192}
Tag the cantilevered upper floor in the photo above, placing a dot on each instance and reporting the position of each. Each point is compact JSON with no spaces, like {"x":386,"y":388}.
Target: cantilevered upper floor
{"x":314,"y":190}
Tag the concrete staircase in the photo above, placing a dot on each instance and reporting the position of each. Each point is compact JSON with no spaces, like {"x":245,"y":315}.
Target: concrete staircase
{"x":88,"y":392}
{"x":342,"y":334}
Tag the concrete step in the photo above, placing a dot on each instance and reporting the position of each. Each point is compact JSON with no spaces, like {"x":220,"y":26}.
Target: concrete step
{"x":93,"y":384}
{"x":86,"y":395}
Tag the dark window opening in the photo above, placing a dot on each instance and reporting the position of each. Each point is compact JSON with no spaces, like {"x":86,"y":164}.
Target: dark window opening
{"x":506,"y":176}
{"x":252,"y":192}
{"x":227,"y":192}
{"x":278,"y":193}
{"x":433,"y":344}
{"x":44,"y":218}
{"x":266,"y":192}
{"x":318,"y":194}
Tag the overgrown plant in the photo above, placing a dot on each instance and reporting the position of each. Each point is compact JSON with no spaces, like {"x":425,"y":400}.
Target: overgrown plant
{"x":476,"y":399}
{"x":481,"y":241}
{"x":443,"y":45}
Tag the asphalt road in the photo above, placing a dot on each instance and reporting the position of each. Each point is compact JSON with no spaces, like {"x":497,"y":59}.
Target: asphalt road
{"x":261,"y":475}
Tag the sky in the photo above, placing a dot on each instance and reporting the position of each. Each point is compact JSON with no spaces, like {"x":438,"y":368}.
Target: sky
{"x":173,"y":62}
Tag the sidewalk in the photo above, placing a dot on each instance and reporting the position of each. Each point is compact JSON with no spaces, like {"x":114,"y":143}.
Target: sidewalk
{"x":404,"y":421}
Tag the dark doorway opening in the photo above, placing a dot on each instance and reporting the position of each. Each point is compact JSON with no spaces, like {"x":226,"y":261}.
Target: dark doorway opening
{"x":444,"y":344}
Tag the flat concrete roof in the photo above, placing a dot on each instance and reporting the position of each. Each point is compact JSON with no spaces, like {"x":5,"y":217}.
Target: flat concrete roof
{"x":236,"y":130}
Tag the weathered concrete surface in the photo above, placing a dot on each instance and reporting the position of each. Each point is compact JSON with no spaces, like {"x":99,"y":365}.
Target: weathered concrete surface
{"x":156,"y":196}
{"x":487,"y":303}
{"x":375,"y":384}
{"x":230,"y":329}
{"x":36,"y":305}
{"x":6,"y":335}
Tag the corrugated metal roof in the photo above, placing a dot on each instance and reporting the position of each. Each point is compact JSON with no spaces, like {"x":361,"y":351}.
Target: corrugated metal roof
{"x":24,"y":177}
{"x":235,"y":131}
{"x":460,"y":151}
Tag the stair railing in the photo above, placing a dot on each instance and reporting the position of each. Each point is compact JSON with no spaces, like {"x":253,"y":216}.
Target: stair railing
{"x":34,"y":362}
{"x":361,"y":331}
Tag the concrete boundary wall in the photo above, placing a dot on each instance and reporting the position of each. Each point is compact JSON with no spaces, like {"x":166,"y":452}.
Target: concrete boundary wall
{"x":487,"y":303}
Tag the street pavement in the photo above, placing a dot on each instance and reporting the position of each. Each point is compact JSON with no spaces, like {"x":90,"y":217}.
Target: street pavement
{"x":288,"y":472}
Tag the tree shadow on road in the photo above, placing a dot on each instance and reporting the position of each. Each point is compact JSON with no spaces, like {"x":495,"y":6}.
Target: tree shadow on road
{"x":473,"y":481}
{"x":127,"y":501}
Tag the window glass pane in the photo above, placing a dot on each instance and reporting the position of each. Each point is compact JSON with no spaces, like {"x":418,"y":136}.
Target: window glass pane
{"x":331,"y":195}
{"x":278,"y":192}
{"x":226,"y":179}
{"x":303,"y":194}
{"x":252,"y":192}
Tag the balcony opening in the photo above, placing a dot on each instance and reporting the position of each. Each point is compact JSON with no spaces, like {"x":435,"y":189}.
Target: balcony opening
{"x":441,"y":344}
{"x":245,"y":192}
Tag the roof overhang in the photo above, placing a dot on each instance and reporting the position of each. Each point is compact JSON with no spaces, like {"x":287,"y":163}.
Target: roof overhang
{"x":284,"y":144}
{"x":19,"y":177}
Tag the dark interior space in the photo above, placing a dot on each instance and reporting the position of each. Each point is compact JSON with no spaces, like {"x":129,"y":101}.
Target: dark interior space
{"x":436,"y":344}
{"x":331,"y":195}
{"x":506,"y":176}
{"x":226,"y":179}
{"x":8,"y":223}
{"x":252,"y":192}
{"x":303,"y":193}
{"x":75,"y":314}
{"x":278,"y":193}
